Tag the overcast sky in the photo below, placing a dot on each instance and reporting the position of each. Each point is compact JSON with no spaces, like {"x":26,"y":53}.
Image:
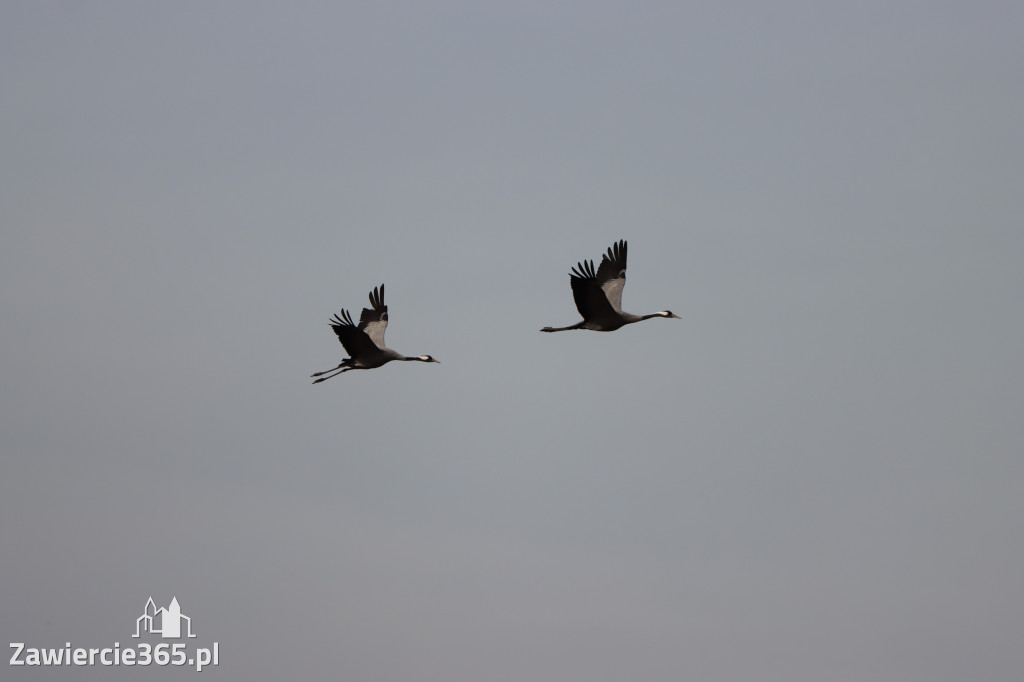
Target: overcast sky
{"x":815,"y":474}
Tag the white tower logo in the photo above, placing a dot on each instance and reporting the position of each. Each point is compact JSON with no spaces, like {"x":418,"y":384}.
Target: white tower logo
{"x":166,"y":622}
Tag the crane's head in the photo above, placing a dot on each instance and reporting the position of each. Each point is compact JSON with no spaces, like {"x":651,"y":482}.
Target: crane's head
{"x":427,"y":358}
{"x":667,"y":313}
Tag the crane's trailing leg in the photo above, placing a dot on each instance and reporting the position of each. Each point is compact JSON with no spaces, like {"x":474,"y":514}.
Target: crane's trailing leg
{"x":326,"y":371}
{"x":578,"y":325}
{"x":329,"y":376}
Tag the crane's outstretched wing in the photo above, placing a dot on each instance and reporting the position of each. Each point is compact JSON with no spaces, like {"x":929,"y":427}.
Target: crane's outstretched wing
{"x":599,"y":293}
{"x":354,"y":339}
{"x":611,"y":274}
{"x":375,"y":321}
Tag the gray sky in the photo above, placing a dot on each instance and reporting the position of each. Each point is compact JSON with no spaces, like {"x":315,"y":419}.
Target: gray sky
{"x":814,"y":475}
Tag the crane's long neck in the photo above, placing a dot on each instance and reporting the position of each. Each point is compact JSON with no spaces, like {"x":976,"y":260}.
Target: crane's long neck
{"x":630,"y":318}
{"x":418,"y":358}
{"x":660,"y":313}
